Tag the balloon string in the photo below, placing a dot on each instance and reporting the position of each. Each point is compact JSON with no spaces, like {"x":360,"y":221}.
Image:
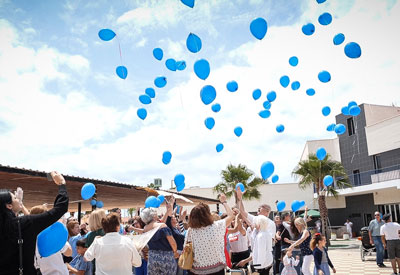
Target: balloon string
{"x":119,"y":48}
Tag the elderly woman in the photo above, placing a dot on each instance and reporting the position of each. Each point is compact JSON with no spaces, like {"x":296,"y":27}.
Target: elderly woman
{"x":95,"y":226}
{"x":31,"y":226}
{"x":162,"y":246}
{"x":304,"y":243}
{"x":114,"y":253}
{"x":261,"y":244}
{"x":208,"y":238}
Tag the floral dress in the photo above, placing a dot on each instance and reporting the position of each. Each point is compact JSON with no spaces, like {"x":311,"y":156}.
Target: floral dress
{"x":289,"y":264}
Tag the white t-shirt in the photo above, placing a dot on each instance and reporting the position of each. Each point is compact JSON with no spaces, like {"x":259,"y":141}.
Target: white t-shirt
{"x":238,"y":242}
{"x":271,"y":225}
{"x":390,"y":230}
{"x":53,"y":264}
{"x":348,"y":226}
{"x":115,"y":255}
{"x":261,"y":256}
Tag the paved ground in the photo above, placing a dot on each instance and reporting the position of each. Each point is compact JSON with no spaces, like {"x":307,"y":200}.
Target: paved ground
{"x":347,"y":260}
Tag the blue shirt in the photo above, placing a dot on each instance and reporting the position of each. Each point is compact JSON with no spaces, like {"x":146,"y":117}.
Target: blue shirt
{"x":80,"y":264}
{"x":72,"y":241}
{"x":375,"y":227}
{"x":159,"y":240}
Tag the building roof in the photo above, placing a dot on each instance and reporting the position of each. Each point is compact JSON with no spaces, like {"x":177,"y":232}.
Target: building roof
{"x":38,"y":190}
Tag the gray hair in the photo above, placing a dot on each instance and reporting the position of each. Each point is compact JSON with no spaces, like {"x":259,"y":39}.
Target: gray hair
{"x":262,"y":222}
{"x":148,"y":214}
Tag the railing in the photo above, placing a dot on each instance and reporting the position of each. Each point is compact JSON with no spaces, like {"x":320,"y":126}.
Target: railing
{"x":385,"y":176}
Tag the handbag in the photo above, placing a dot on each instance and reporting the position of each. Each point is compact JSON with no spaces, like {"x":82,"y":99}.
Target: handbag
{"x":185,"y":261}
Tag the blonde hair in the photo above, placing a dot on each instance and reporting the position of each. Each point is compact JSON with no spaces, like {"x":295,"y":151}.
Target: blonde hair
{"x":95,"y":219}
{"x":300,"y":221}
{"x":261,"y":222}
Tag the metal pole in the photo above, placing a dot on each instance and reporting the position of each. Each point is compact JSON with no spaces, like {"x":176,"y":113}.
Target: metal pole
{"x":79,"y":212}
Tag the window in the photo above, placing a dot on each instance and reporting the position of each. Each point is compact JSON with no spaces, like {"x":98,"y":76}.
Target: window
{"x":377,"y":164}
{"x":350,"y":126}
{"x":356,"y":178}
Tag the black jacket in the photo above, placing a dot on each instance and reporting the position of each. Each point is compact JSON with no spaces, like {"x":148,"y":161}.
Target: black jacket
{"x":318,"y":258}
{"x":31,"y":226}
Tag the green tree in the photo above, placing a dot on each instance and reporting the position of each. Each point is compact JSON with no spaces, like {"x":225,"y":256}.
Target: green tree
{"x":232,"y":175}
{"x":131,"y":211}
{"x":152,"y":185}
{"x":311,"y":172}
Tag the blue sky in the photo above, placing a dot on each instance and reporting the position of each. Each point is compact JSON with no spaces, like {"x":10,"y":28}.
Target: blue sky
{"x":62,"y":106}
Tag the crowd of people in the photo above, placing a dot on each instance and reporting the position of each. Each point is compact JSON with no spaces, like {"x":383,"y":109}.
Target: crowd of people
{"x":100,"y":244}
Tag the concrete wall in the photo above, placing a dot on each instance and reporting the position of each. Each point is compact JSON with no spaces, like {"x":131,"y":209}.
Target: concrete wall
{"x":387,"y":131}
{"x":331,"y":146}
{"x":387,"y":196}
{"x":377,"y":113}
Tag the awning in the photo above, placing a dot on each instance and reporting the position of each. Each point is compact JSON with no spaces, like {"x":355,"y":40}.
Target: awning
{"x":312,"y":213}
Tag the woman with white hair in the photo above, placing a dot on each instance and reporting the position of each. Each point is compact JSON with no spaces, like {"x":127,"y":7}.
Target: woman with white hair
{"x":162,"y":246}
{"x":261,"y":244}
{"x":304,"y":243}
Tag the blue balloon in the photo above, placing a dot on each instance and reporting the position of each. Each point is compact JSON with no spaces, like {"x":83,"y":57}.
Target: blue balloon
{"x":321,"y":153}
{"x":324,"y":76}
{"x":219,"y":147}
{"x":280,"y":205}
{"x":122,"y":71}
{"x":354,"y":110}
{"x":267,"y":169}
{"x":280,"y":128}
{"x":166,"y":157}
{"x":331,"y":127}
{"x":158,"y":53}
{"x":189,"y":3}
{"x":345,"y":110}
{"x":271,"y":96}
{"x":193,"y":43}
{"x":352,"y":50}
{"x":160,"y":81}
{"x":328,"y":180}
{"x":202,"y":69}
{"x":310,"y":92}
{"x":170,"y":63}
{"x":241,"y":186}
{"x":144,"y":99}
{"x":216,"y":107}
{"x":151,"y":201}
{"x":142,"y":113}
{"x":326,"y":111}
{"x":308,"y":29}
{"x":267,"y":105}
{"x":340,"y":129}
{"x":325,"y":19}
{"x":180,"y":65}
{"x":338,"y":39}
{"x":295,"y":205}
{"x":232,"y":86}
{"x":52,"y":239}
{"x":293,"y":61}
{"x":208,"y":94}
{"x":284,"y":80}
{"x":99,"y":204}
{"x":209,"y":122}
{"x":106,"y":34}
{"x":238,"y":131}
{"x":302,"y":203}
{"x":295,"y":85}
{"x":180,"y":187}
{"x":179,"y":179}
{"x":264,"y":113}
{"x":88,"y":190}
{"x":150,"y":92}
{"x":351,"y":103}
{"x":161,"y":198}
{"x":258,"y":28}
{"x":275,"y":179}
{"x":93,"y":202}
{"x":256,"y":94}
{"x":321,"y":1}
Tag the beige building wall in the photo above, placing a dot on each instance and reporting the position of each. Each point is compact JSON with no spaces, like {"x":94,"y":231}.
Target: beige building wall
{"x":331,"y":146}
{"x":377,"y":113}
{"x":388,"y":131}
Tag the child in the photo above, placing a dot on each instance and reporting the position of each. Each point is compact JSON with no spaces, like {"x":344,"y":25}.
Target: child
{"x":289,"y":262}
{"x":78,"y":265}
{"x":321,"y":257}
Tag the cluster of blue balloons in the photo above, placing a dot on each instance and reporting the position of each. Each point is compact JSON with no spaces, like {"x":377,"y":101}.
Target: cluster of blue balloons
{"x":281,"y":205}
{"x":296,"y":205}
{"x":52,"y":239}
{"x":88,"y":190}
{"x":98,"y":204}
{"x":351,"y":109}
{"x":166,"y":157}
{"x":179,"y":181}
{"x":267,"y":169}
{"x":174,"y":65}
{"x":153,"y":201}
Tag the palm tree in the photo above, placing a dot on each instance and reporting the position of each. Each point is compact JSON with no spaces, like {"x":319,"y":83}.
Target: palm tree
{"x":312,"y":172}
{"x":232,"y":175}
{"x":131,"y":211}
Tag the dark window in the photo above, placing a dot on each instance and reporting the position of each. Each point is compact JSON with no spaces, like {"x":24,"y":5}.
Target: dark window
{"x":377,"y":164}
{"x":356,"y":177}
{"x":350,"y":126}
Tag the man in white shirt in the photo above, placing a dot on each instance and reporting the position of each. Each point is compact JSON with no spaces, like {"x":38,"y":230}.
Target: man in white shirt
{"x":391,"y":240}
{"x":349,"y":226}
{"x":264,"y":210}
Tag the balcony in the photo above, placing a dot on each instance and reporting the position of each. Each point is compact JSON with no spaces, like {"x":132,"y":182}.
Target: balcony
{"x":386,"y":176}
